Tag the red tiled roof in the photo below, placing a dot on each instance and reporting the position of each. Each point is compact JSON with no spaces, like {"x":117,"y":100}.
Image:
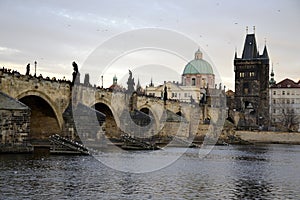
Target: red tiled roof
{"x":287,"y":83}
{"x":116,"y":87}
{"x":230,"y":93}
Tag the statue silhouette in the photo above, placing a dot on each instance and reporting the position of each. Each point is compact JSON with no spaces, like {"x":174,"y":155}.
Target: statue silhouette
{"x":75,"y":74}
{"x":130,"y":83}
{"x":28,"y":69}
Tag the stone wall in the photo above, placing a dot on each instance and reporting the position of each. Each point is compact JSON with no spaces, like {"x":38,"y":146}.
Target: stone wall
{"x":15,"y":126}
{"x":269,"y":137}
{"x":180,"y":129}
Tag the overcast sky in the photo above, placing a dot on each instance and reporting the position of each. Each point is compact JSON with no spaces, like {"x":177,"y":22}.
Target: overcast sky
{"x":56,"y":33}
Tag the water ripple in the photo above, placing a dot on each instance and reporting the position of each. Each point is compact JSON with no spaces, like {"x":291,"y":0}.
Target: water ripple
{"x":234,"y":172}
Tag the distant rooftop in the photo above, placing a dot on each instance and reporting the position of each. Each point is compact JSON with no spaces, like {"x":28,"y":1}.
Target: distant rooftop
{"x":287,"y":83}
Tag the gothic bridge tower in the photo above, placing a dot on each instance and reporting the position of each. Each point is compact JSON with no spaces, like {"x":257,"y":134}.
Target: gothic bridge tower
{"x":252,"y":84}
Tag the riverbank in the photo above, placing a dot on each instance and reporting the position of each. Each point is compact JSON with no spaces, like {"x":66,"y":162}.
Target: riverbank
{"x":269,"y":137}
{"x":16,"y":149}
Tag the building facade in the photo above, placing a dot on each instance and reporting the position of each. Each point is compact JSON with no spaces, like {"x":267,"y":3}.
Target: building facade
{"x":252,"y":85}
{"x":176,"y":91}
{"x":197,"y":77}
{"x":285,"y":105}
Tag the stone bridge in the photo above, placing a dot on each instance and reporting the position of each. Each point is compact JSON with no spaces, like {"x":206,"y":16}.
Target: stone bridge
{"x":49,"y":99}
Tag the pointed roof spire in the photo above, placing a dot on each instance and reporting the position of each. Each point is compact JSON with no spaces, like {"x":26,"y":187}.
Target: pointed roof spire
{"x":272,"y":80}
{"x":265,"y":53}
{"x":138,"y":86}
{"x":272,"y":71}
{"x":151,"y":83}
{"x":250,"y":48}
{"x":235,"y":53}
{"x":138,"y":83}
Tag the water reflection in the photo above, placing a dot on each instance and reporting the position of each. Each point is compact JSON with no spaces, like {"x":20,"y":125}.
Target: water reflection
{"x":234,"y":172}
{"x":251,"y":172}
{"x":252,"y":189}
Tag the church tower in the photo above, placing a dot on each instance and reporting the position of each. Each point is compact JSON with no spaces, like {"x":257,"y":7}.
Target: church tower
{"x":252,"y":84}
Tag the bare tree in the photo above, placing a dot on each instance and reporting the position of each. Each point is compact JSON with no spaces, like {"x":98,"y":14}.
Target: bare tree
{"x":288,"y":119}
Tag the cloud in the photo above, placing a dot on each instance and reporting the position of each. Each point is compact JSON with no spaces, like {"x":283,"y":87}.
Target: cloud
{"x":8,"y":51}
{"x":55,"y":33}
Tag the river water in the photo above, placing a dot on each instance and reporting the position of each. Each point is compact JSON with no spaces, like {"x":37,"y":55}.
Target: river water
{"x":227,"y":172}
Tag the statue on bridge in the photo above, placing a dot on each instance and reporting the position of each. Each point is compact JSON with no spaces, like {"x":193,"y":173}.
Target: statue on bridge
{"x":130,"y":83}
{"x":28,"y":69}
{"x":76,"y":74}
{"x":165,"y":95}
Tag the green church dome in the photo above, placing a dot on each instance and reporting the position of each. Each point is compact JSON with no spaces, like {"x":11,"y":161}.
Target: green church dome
{"x":198,"y":66}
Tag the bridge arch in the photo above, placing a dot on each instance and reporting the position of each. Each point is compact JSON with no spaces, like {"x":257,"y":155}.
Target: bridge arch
{"x":49,"y":101}
{"x":111,"y":121}
{"x":147,"y":109}
{"x":43,"y":120}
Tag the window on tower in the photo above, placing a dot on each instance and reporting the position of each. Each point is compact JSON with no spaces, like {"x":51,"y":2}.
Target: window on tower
{"x":246,"y":88}
{"x":242,"y":74}
{"x":251,"y":74}
{"x":193,"y":81}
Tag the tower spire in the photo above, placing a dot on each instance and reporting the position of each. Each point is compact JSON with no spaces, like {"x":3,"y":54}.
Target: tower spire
{"x":151,"y":83}
{"x":138,"y":86}
{"x":265,"y":53}
{"x":272,"y":80}
{"x":235,"y":53}
{"x":250,"y":47}
{"x":138,"y":83}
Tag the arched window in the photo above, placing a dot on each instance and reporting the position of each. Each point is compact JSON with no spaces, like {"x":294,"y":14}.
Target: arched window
{"x":193,"y":81}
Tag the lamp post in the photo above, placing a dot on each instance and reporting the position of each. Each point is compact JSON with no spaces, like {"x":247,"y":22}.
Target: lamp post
{"x":35,"y":63}
{"x":102,"y":81}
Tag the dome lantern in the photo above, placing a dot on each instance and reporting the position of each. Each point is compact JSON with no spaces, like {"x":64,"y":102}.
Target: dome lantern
{"x":198,"y":55}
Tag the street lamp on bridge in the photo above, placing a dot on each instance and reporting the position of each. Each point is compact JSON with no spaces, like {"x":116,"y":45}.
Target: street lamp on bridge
{"x":35,"y":63}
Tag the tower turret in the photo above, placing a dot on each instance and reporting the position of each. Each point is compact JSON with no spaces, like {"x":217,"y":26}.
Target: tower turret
{"x":272,"y":80}
{"x":115,"y":80}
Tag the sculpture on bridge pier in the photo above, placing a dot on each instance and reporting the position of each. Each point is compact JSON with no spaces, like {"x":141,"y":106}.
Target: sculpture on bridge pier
{"x":130,"y":83}
{"x":76,"y":74}
{"x":28,"y":69}
{"x":165,"y":95}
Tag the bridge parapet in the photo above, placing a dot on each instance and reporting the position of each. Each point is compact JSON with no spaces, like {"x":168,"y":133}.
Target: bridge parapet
{"x":55,"y":92}
{"x":58,"y":94}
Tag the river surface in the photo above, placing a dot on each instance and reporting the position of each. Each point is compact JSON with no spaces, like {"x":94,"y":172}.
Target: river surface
{"x":227,"y":172}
